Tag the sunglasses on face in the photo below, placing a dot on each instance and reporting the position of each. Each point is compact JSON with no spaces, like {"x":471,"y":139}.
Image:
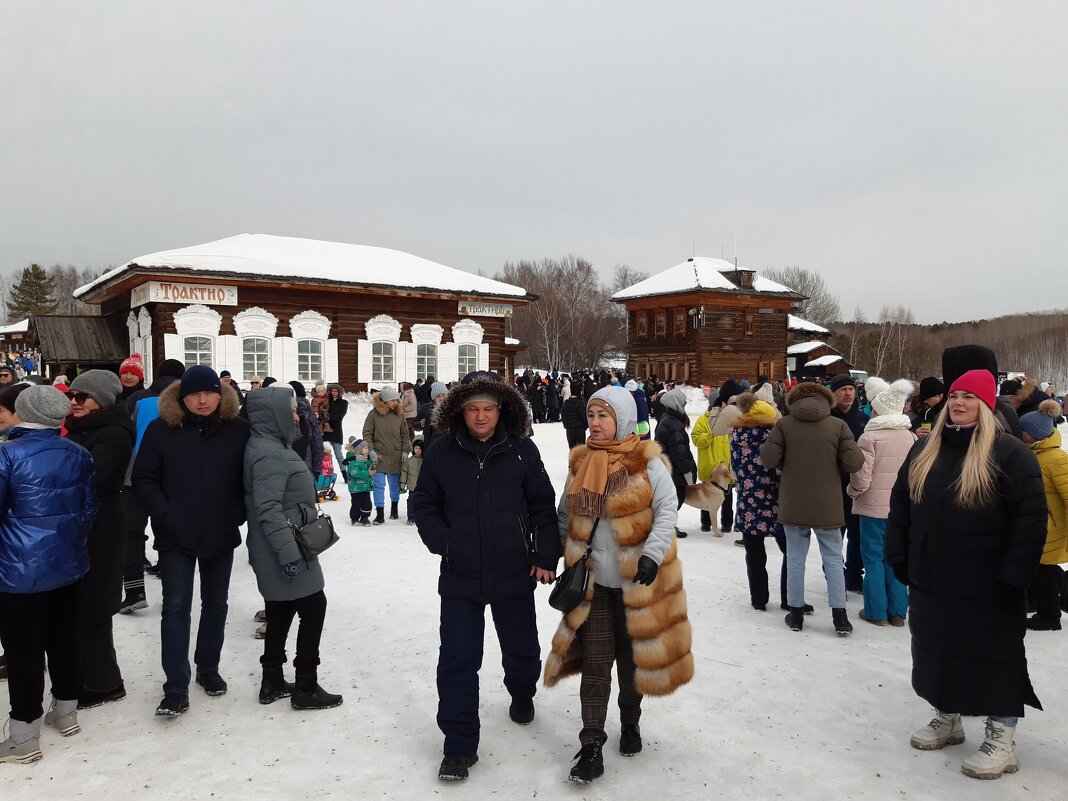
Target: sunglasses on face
{"x":254,"y":383}
{"x":79,"y":397}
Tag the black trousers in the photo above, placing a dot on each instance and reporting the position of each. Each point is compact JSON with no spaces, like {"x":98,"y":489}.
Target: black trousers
{"x":133,"y":571}
{"x":854,"y":564}
{"x":31,"y":626}
{"x":312,"y":612}
{"x":1046,"y":591}
{"x":605,"y":641}
{"x":463,"y":634}
{"x":756,"y":563}
{"x":96,"y":649}
{"x":726,"y":511}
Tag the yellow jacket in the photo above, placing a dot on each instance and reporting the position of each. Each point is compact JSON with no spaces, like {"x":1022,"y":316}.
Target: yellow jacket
{"x":711,"y":450}
{"x":1054,"y":463}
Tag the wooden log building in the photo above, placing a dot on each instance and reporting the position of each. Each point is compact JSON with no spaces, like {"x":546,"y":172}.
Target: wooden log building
{"x":815,"y":359}
{"x":707,"y":320}
{"x":300,"y":309}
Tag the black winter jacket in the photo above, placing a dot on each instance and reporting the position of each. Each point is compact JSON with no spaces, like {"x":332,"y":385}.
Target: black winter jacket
{"x":489,"y":516}
{"x":188,"y":475}
{"x":967,"y":571}
{"x":108,"y":435}
{"x":338,"y":409}
{"x":671,"y":434}
{"x":573,"y":414}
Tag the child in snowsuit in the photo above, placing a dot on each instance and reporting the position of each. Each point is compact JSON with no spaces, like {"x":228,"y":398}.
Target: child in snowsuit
{"x":320,"y":404}
{"x":360,"y":469}
{"x":409,"y":475}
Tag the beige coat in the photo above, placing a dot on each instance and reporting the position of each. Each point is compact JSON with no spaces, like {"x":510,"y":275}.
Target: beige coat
{"x":885,"y":450}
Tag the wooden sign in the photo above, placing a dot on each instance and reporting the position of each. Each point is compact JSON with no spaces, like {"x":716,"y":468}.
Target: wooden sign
{"x":478,"y":309}
{"x":171,"y":292}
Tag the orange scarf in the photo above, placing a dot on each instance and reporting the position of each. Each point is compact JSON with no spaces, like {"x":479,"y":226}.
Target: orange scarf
{"x":600,"y":475}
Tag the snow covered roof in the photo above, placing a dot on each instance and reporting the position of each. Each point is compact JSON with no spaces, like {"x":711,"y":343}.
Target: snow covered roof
{"x":824,"y":361}
{"x":794,"y":323}
{"x":511,"y":341}
{"x":697,"y":273}
{"x":20,"y":327}
{"x":312,"y":260}
{"x":806,"y":347}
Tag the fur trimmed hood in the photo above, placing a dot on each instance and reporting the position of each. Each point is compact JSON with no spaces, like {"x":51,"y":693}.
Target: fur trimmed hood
{"x":809,"y":389}
{"x":514,"y":413}
{"x":172,"y":412}
{"x":382,"y":407}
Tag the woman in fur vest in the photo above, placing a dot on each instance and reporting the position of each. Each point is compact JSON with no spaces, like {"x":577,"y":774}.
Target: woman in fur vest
{"x":620,"y":494}
{"x":966,"y":529}
{"x":886,"y":441}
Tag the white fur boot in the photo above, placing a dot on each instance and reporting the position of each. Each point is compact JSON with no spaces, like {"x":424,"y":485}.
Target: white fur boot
{"x":997,"y":754}
{"x":943,"y":730}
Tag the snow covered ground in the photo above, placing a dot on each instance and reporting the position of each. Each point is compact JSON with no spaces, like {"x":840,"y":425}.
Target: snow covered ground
{"x":769,"y":714}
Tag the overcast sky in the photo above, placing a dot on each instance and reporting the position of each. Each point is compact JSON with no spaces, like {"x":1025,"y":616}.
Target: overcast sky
{"x":912,"y":152}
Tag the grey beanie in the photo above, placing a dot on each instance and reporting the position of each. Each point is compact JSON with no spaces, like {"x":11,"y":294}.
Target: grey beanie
{"x":438,"y":388}
{"x":43,"y":406}
{"x":389,"y":394}
{"x":102,"y":385}
{"x":622,"y":403}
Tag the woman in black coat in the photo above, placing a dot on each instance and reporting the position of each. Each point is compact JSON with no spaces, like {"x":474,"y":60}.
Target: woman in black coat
{"x":675,"y":443}
{"x":573,"y":414}
{"x":966,"y":530}
{"x":103,"y":428}
{"x":339,"y":407}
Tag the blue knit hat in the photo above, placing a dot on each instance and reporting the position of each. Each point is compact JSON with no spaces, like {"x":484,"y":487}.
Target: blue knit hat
{"x":199,"y":378}
{"x":1040,"y":424}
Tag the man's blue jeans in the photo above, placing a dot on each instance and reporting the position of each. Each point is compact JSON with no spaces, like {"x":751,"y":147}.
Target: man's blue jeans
{"x":176,"y":575}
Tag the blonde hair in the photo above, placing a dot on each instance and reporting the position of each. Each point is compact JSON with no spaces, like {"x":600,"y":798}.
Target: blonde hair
{"x":977,"y":483}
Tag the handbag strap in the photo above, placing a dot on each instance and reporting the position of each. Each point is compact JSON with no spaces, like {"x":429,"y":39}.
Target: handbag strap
{"x":589,"y":544}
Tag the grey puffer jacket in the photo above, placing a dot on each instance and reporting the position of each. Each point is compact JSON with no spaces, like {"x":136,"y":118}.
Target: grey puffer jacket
{"x":278,"y":488}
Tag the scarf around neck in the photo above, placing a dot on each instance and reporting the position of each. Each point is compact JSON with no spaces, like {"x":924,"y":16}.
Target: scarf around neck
{"x":599,"y":475}
{"x":885,"y":421}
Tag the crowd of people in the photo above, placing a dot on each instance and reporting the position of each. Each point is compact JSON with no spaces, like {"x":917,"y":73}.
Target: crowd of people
{"x":941,"y":502}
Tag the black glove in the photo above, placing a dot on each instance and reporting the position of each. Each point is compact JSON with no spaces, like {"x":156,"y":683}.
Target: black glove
{"x":647,"y":570}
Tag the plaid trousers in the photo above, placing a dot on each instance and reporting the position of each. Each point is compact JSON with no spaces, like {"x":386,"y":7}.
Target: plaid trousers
{"x":605,"y":640}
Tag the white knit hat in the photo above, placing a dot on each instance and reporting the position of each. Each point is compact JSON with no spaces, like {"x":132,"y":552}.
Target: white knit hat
{"x":874,"y":385}
{"x":891,"y":401}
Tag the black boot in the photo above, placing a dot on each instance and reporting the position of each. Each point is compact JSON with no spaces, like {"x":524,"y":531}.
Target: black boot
{"x":841,"y":622}
{"x":795,"y":619}
{"x":393,"y":512}
{"x":379,"y":518}
{"x":590,"y":764}
{"x":274,"y":686}
{"x":630,"y":739}
{"x":309,"y":695}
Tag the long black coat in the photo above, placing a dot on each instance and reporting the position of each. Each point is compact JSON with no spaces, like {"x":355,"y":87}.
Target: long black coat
{"x":339,"y":407}
{"x":573,"y":414}
{"x":671,"y":434}
{"x":188,"y":476}
{"x":488,"y":522}
{"x":108,"y":435}
{"x":967,"y":571}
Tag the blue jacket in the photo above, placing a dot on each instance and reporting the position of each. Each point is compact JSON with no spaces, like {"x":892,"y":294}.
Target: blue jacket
{"x":47,"y":507}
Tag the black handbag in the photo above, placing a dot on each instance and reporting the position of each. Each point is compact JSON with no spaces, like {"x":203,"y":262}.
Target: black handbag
{"x":571,"y":585}
{"x":315,"y":537}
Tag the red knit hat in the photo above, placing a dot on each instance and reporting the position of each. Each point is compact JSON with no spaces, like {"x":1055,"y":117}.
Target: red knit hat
{"x":133,"y":365}
{"x":980,"y":383}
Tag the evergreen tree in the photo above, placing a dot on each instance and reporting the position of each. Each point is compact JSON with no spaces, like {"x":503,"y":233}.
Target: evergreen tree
{"x":32,"y":294}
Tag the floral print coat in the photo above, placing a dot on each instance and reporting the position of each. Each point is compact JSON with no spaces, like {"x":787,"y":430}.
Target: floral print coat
{"x":757,"y":487}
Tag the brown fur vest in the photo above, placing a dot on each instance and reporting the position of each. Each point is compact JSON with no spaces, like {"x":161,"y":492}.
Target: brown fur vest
{"x":657,"y":624}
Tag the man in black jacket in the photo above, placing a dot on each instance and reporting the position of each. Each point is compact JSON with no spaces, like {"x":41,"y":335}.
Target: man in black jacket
{"x":847,"y":408}
{"x":485,"y":505}
{"x":188,"y":474}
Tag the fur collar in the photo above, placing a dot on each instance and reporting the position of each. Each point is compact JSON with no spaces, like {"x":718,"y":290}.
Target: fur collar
{"x":515,"y":415}
{"x":809,"y":389}
{"x":172,"y":412}
{"x":748,"y":421}
{"x":637,"y":461}
{"x":382,"y":407}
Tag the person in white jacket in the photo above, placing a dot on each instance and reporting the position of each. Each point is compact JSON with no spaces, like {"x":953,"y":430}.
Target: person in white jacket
{"x":886,"y":442}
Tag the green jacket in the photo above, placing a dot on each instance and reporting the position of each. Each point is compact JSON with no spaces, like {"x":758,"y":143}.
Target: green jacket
{"x":360,"y":471}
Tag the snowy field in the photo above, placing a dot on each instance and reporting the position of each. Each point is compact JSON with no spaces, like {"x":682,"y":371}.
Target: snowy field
{"x":770,"y":714}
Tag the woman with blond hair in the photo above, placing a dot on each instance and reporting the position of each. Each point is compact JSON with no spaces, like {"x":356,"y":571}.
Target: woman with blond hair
{"x":620,"y":504}
{"x":966,"y":528}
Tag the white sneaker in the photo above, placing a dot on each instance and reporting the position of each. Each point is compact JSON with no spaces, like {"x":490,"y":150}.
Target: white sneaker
{"x":943,"y":730}
{"x":997,"y":754}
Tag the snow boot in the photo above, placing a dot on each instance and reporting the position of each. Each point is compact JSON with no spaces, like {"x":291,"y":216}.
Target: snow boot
{"x":808,"y":609}
{"x":795,"y":618}
{"x":521,"y":712}
{"x":630,"y":739}
{"x":590,"y":764}
{"x":23,"y":745}
{"x":261,"y":632}
{"x":309,"y":695}
{"x":91,"y":698}
{"x":679,"y":534}
{"x":212,"y":683}
{"x":135,"y":599}
{"x":274,"y":686}
{"x":380,"y":517}
{"x":841,"y":622}
{"x":393,"y":512}
{"x":63,"y":715}
{"x":943,"y":730}
{"x":260,"y":617}
{"x":454,"y":767}
{"x":997,"y":754}
{"x":1038,"y":623}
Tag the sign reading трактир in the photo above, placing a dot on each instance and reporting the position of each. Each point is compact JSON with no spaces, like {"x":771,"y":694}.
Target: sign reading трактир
{"x":171,"y":292}
{"x":476,"y":309}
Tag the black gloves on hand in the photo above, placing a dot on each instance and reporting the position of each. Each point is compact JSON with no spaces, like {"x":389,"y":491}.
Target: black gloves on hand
{"x":647,"y":570}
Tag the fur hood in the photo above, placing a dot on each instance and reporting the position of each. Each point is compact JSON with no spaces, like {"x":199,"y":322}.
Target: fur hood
{"x":514,"y":414}
{"x":172,"y":412}
{"x":381,"y":406}
{"x":1026,"y":390}
{"x":809,"y":389}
